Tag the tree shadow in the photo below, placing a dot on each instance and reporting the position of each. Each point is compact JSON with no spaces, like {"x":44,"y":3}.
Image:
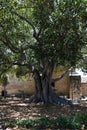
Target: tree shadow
{"x":16,"y":109}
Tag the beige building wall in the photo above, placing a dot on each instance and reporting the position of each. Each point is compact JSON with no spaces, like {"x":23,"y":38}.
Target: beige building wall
{"x":16,"y":86}
{"x":62,"y":86}
{"x":84,"y":88}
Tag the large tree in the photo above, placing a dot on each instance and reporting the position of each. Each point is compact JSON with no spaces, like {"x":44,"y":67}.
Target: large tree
{"x":40,"y":35}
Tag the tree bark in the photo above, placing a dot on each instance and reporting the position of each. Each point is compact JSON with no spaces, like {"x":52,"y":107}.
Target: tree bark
{"x":44,"y":90}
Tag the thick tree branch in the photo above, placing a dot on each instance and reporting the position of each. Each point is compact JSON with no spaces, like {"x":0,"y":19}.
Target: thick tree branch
{"x":61,"y":76}
{"x":7,"y":42}
{"x":28,"y":21}
{"x":28,"y":65}
{"x":39,"y":32}
{"x":29,"y":46}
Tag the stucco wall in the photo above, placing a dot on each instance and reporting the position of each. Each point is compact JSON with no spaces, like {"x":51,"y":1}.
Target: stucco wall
{"x":62,"y":86}
{"x":84,"y":88}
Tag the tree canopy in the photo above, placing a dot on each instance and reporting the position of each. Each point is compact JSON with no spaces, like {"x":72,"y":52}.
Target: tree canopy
{"x":41,"y":34}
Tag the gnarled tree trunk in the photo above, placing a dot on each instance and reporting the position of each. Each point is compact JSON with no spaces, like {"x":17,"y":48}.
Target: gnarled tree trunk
{"x":44,"y":89}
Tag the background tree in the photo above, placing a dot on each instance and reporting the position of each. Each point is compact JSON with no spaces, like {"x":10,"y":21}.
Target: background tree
{"x":41,"y":35}
{"x":83,"y":62}
{"x":4,"y":82}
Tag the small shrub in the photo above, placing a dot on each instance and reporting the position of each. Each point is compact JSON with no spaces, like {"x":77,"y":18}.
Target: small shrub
{"x":60,"y":122}
{"x":74,"y":125}
{"x":3,"y":100}
{"x":25,"y":123}
{"x":83,"y":119}
{"x":73,"y":122}
{"x":11,"y":123}
{"x":42,"y":122}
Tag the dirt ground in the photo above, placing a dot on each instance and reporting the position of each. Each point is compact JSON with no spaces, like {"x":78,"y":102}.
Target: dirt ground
{"x":15,"y":108}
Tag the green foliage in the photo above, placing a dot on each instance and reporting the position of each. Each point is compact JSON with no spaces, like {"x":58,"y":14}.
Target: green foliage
{"x":73,"y":122}
{"x":42,"y":122}
{"x":83,"y":62}
{"x":11,"y":123}
{"x":4,"y":80}
{"x":21,"y":71}
{"x":25,"y":123}
{"x":39,"y":32}
{"x":83,"y":119}
{"x":3,"y":100}
{"x":84,"y":66}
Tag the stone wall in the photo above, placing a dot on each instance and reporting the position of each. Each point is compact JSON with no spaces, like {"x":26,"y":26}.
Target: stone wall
{"x":75,"y":86}
{"x":79,"y":89}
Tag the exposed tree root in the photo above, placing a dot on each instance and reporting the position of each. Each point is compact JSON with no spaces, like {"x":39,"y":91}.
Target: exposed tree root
{"x":45,"y":90}
{"x":55,"y":99}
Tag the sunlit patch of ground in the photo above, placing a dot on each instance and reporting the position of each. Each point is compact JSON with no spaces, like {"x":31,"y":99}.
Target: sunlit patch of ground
{"x":16,"y":108}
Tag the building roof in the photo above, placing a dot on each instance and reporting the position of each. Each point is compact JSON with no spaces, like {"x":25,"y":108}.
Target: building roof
{"x":74,"y":74}
{"x":83,"y":76}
